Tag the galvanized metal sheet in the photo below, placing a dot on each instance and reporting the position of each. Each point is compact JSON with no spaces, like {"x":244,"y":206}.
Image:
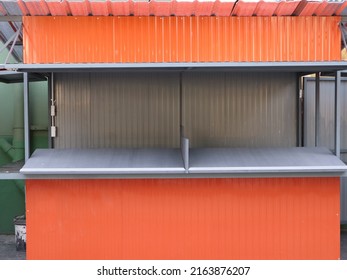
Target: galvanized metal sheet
{"x":116,"y":110}
{"x":326,"y":110}
{"x":274,"y":162}
{"x":72,"y":97}
{"x":142,"y":110}
{"x":265,"y":160}
{"x":239,"y":109}
{"x":104,"y":161}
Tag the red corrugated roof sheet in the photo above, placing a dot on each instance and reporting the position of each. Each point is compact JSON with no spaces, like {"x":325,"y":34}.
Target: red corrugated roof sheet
{"x":179,"y":7}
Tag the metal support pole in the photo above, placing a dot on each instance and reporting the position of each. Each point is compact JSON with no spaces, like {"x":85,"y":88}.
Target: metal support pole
{"x":338,"y":113}
{"x":299,"y":111}
{"x":317,"y":111}
{"x":50,"y":101}
{"x":26,"y":117}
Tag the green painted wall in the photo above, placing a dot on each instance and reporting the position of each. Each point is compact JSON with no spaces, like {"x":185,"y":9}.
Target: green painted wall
{"x":12,"y":197}
{"x":38,"y":108}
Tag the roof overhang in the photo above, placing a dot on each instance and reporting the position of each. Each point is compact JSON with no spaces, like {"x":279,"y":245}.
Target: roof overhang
{"x":299,"y":67}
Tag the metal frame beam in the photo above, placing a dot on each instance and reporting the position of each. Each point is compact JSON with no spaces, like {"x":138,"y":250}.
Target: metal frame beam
{"x":17,"y":33}
{"x":50,"y":102}
{"x":338,"y":114}
{"x":10,"y":18}
{"x":299,"y":112}
{"x":299,"y":67}
{"x":317,"y":110}
{"x":26,"y":117}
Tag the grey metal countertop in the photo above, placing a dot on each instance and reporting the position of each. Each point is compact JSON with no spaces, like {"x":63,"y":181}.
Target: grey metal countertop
{"x":206,"y":162}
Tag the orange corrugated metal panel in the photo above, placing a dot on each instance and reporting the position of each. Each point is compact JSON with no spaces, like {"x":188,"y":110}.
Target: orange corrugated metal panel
{"x":259,"y":218}
{"x":180,"y":39}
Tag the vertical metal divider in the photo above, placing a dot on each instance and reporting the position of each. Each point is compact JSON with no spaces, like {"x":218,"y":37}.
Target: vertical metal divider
{"x":26,"y":117}
{"x":338,"y":113}
{"x":50,"y":99}
{"x":185,"y":150}
{"x":299,"y":110}
{"x":317,"y":111}
{"x":184,"y":143}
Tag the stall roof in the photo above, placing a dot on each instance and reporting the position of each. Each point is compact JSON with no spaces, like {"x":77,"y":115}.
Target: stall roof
{"x":302,"y":67}
{"x":230,"y":162}
{"x":11,"y":11}
{"x":172,"y":7}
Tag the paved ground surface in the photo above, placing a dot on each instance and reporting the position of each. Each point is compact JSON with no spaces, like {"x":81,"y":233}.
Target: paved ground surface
{"x":344,"y":245}
{"x":8,"y":247}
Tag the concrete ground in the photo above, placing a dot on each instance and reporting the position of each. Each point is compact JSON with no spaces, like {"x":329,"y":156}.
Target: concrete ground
{"x":8,"y":248}
{"x":344,"y":245}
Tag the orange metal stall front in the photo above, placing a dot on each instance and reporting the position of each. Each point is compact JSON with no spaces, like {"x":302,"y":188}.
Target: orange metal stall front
{"x":180,"y":39}
{"x":239,"y":218}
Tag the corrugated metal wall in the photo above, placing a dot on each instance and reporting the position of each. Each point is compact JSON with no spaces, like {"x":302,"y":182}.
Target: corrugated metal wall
{"x":327,"y":123}
{"x":143,"y":109}
{"x":180,"y":39}
{"x":117,"y":110}
{"x":260,"y":218}
{"x":73,"y":110}
{"x":140,"y":110}
{"x":240,"y":109}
